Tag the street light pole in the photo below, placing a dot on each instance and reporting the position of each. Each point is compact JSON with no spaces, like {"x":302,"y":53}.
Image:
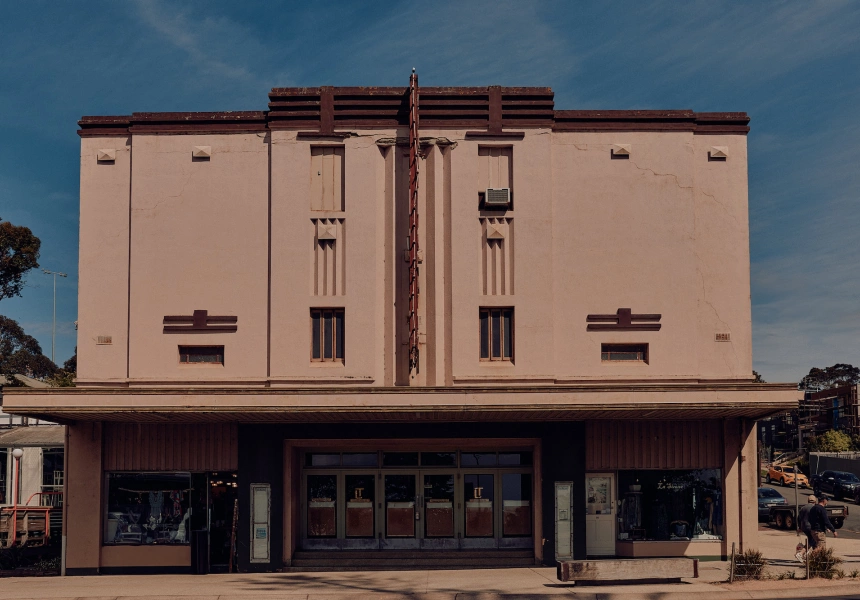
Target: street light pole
{"x":54,"y":321}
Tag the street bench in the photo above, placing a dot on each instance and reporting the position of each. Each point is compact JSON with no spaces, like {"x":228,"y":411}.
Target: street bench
{"x":628,"y":570}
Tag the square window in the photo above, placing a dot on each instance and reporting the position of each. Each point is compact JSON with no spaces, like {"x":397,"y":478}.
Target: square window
{"x":624,"y":353}
{"x":201,"y":354}
{"x":497,"y":334}
{"x":327,"y":335}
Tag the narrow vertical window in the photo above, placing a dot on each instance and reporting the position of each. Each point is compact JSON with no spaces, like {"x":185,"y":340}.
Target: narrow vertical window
{"x":485,"y":335}
{"x":327,"y":334}
{"x":497,"y":333}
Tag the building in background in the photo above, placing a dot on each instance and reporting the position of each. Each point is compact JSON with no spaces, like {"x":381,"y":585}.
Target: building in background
{"x":445,"y":323}
{"x":41,"y":466}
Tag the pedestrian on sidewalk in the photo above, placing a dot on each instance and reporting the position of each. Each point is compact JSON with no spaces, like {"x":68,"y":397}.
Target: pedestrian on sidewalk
{"x":819,"y":523}
{"x":803,"y":526}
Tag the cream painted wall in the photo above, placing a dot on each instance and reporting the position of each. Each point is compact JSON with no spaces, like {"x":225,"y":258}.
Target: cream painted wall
{"x":665,"y":231}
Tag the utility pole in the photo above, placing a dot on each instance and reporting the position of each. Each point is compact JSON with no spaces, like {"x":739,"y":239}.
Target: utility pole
{"x":54,"y":322}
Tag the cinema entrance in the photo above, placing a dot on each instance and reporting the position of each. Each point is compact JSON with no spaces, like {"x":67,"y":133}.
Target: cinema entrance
{"x":417,"y":500}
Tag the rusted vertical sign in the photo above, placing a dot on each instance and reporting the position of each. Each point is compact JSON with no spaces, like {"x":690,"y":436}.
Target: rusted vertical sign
{"x":413,"y":223}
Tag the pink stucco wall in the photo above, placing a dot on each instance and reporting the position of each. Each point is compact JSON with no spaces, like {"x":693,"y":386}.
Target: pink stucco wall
{"x":665,"y":231}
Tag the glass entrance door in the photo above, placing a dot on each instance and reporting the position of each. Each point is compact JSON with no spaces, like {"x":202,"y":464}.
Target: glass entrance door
{"x":438,"y":501}
{"x":401,"y":501}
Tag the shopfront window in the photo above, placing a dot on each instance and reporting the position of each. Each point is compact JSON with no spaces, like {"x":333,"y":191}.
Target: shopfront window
{"x":148,"y":508}
{"x":670,"y":505}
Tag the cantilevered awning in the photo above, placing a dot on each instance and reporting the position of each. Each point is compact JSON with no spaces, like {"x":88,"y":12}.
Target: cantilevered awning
{"x":685,"y":400}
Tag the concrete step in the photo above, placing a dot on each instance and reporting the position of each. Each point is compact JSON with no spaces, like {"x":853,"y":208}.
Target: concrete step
{"x":355,"y":560}
{"x":397,"y":554}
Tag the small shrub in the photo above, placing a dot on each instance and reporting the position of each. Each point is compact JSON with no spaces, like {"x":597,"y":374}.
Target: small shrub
{"x":750,"y":564}
{"x":855,"y":573}
{"x":822,"y":563}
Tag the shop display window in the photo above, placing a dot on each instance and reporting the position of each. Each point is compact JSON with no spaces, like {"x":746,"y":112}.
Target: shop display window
{"x":670,"y":505}
{"x":322,"y":506}
{"x":148,"y":508}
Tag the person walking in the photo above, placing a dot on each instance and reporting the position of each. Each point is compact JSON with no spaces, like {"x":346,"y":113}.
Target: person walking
{"x":803,"y":526}
{"x":819,"y":523}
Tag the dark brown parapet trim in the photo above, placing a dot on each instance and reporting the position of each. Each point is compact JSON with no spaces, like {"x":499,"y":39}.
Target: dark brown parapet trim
{"x":102,"y":126}
{"x":736,"y":123}
{"x":485,"y":112}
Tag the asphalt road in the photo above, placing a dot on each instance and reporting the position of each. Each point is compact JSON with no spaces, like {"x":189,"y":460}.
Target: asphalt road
{"x":851,"y":528}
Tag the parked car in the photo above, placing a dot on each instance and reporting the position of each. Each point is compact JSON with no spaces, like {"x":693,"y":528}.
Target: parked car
{"x":767,"y":498}
{"x":839,"y":484}
{"x":785,"y":476}
{"x":783,"y":516}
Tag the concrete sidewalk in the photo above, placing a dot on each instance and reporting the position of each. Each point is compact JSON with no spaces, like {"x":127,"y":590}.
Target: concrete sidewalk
{"x":485,"y":584}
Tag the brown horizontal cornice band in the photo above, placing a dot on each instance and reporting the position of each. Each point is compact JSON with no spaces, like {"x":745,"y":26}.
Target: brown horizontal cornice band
{"x":332,"y":111}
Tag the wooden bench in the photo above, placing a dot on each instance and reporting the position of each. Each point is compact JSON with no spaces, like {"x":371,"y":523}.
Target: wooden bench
{"x":628,"y":570}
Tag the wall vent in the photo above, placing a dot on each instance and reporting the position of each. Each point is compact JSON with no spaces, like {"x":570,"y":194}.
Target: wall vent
{"x":722,"y":337}
{"x":104,"y":340}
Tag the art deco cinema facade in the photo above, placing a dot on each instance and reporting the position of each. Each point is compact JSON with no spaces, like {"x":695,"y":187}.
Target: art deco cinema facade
{"x":446,"y":323}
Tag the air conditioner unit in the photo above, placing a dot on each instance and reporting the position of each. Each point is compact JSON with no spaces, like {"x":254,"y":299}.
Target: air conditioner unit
{"x":497,"y":197}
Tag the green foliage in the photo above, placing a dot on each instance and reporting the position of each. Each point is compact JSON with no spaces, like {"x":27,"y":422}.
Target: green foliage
{"x":20,"y":354}
{"x":749,"y":564}
{"x":830,"y":441}
{"x":838,"y":375}
{"x":758,"y":377}
{"x":65,"y":377}
{"x":11,"y":558}
{"x":823,"y":563}
{"x":19,"y":252}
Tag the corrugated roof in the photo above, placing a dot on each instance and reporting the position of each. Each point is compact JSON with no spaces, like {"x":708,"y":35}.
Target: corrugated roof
{"x":38,"y":436}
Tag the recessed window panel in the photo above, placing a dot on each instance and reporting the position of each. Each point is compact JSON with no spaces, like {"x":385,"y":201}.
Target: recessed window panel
{"x":400,"y":459}
{"x":624,"y":353}
{"x":322,"y":460}
{"x":201,"y":354}
{"x":438,"y":459}
{"x":512,"y":459}
{"x":360,"y":459}
{"x":477,"y":459}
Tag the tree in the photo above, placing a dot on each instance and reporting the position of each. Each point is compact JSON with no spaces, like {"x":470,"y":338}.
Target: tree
{"x":758,"y":377}
{"x":829,"y":441}
{"x":19,"y":252}
{"x":65,"y":377}
{"x":838,"y":375}
{"x":20,"y":354}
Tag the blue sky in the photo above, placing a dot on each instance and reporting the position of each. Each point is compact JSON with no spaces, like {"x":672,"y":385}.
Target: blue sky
{"x":793,"y":66}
